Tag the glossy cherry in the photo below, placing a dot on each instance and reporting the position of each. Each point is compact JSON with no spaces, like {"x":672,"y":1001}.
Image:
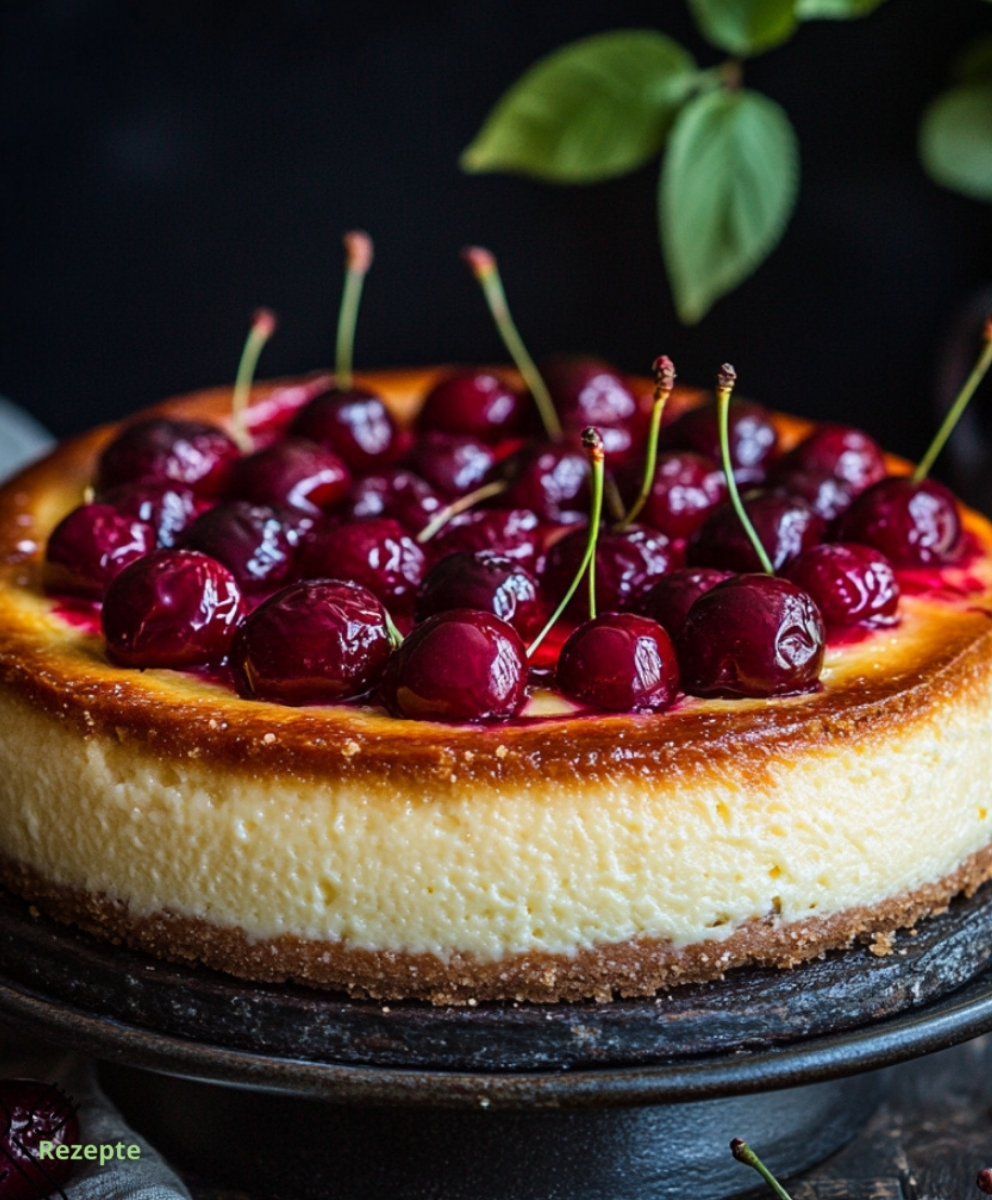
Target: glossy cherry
{"x":92,"y":545}
{"x":753,"y":635}
{"x":851,"y":584}
{"x":588,"y":391}
{"x":172,"y":608}
{"x":168,"y":507}
{"x":485,"y":581}
{"x":826,"y":494}
{"x":785,"y":525}
{"x":627,"y":565}
{"x":378,"y":553}
{"x":315,"y":642}
{"x":512,"y":532}
{"x":476,"y":403}
{"x":454,"y":463}
{"x":462,"y":665}
{"x":841,"y":450}
{"x":550,"y":480}
{"x":161,"y":450}
{"x":395,"y":493}
{"x":355,"y":425}
{"x":669,"y":600}
{"x":913,"y":524}
{"x":251,"y":540}
{"x":294,"y":473}
{"x":620,"y":662}
{"x":753,"y":438}
{"x":32,"y":1112}
{"x":686,"y":487}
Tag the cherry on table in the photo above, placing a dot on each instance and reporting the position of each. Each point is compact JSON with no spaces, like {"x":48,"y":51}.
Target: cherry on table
{"x":32,"y":1112}
{"x":842,"y":451}
{"x":377,"y":553}
{"x":251,"y":540}
{"x":515,"y":533}
{"x":355,"y":425}
{"x":752,"y":436}
{"x":294,"y":473}
{"x":461,"y":665}
{"x":913,"y":524}
{"x":164,"y":450}
{"x":620,"y":662}
{"x":627,"y":564}
{"x":850,"y":584}
{"x":91,"y":546}
{"x":168,"y":507}
{"x":478,"y":404}
{"x":669,"y":600}
{"x":395,"y":493}
{"x":485,"y":581}
{"x":785,"y":525}
{"x":454,"y":463}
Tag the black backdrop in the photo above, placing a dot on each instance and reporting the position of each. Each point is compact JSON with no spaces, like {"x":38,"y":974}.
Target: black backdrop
{"x":168,"y":166}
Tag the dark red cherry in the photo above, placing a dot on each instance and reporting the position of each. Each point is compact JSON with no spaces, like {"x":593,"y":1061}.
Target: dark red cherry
{"x":476,"y":403}
{"x":669,"y":600}
{"x":160,"y":450}
{"x":785,"y":525}
{"x":251,"y":540}
{"x":454,"y":463}
{"x":686,"y":486}
{"x":462,"y":665}
{"x":315,"y":642}
{"x":512,"y":532}
{"x":619,"y":662}
{"x":294,"y":473}
{"x":588,"y":391}
{"x":484,"y":581}
{"x":753,"y":438}
{"x":753,"y":635}
{"x":32,"y":1112}
{"x":356,"y":426}
{"x":841,"y":450}
{"x":395,"y":493}
{"x":168,"y":507}
{"x":90,"y":546}
{"x":827,"y":495}
{"x":850,"y":584}
{"x":378,"y":553}
{"x":550,"y":480}
{"x":627,"y":565}
{"x":172,"y":608}
{"x":913,"y":524}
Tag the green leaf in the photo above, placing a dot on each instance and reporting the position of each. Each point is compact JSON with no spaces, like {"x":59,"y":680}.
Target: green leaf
{"x":956,"y":139}
{"x":834,"y":10}
{"x":974,"y":64}
{"x":593,"y":109}
{"x":745,"y":27}
{"x":728,"y":186}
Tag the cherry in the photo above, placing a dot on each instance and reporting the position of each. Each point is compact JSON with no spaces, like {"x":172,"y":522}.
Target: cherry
{"x":827,"y":495}
{"x":251,"y":540}
{"x":620,"y":662}
{"x":753,"y":438}
{"x":752,"y":635}
{"x":841,"y":450}
{"x":850,"y":584}
{"x":461,"y":665}
{"x":32,"y":1112}
{"x":92,"y":545}
{"x":913,"y":524}
{"x":377,"y":553}
{"x":161,"y":450}
{"x":397,"y":493}
{"x":512,"y":532}
{"x":627,"y":564}
{"x":454,"y":463}
{"x":686,"y":486}
{"x":669,"y":600}
{"x":785,"y":525}
{"x":169,"y":508}
{"x":477,"y":404}
{"x":588,"y":391}
{"x":551,"y":480}
{"x":294,"y":473}
{"x":172,"y":608}
{"x":485,"y":581}
{"x":314,"y":642}
{"x":355,"y":425}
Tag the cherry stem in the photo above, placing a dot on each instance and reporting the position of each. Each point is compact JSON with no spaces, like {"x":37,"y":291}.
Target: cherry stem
{"x":743,"y":1153}
{"x":462,"y":504}
{"x":593,"y":443}
{"x":395,"y":637}
{"x":959,"y":405}
{"x":483,"y":266}
{"x":664,"y":381}
{"x":725,"y":380}
{"x":358,"y":252}
{"x":263,"y":324}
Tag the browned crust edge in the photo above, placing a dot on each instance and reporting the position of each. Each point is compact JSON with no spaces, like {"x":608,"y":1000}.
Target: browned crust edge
{"x":640,"y":967}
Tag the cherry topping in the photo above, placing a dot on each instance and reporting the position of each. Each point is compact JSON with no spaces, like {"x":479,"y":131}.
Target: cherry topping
{"x":753,"y":438}
{"x":551,"y":480}
{"x":396,"y":493}
{"x":314,"y":642}
{"x":669,"y":601}
{"x":462,"y":665}
{"x":686,"y":486}
{"x":588,"y":391}
{"x":172,"y":608}
{"x":251,"y":540}
{"x":32,"y":1112}
{"x":169,"y":508}
{"x":294,"y":473}
{"x":475,"y":403}
{"x":484,"y":581}
{"x":913,"y":524}
{"x":356,"y":425}
{"x":511,"y":532}
{"x":454,"y":463}
{"x":840,"y":450}
{"x":785,"y":525}
{"x":753,"y":635}
{"x":827,"y":495}
{"x":851,"y":584}
{"x":161,"y":450}
{"x":627,"y":564}
{"x":90,"y":546}
{"x":377,"y":553}
{"x":620,"y":662}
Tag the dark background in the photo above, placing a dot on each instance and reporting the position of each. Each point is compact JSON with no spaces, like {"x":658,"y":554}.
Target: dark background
{"x":166,"y":167}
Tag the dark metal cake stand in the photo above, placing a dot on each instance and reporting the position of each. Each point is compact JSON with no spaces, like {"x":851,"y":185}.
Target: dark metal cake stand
{"x":286,"y":1091}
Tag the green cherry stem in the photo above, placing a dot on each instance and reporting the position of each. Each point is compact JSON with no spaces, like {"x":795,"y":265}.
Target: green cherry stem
{"x":263,"y":324}
{"x":395,"y":637}
{"x":593,"y":443}
{"x":725,"y":380}
{"x":358,"y":251}
{"x":743,"y":1153}
{"x":959,"y":405}
{"x":462,"y":504}
{"x":664,"y":381}
{"x":483,"y":266}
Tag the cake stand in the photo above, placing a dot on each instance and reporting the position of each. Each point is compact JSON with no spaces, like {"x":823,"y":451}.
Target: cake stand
{"x":286,"y":1091}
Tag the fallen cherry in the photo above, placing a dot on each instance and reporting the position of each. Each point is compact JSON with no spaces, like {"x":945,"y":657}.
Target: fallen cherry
{"x":377,"y":553}
{"x":620,"y":662}
{"x":294,"y":473}
{"x":485,"y":581}
{"x":32,"y":1112}
{"x":913,"y":524}
{"x":850,"y":584}
{"x":161,"y":450}
{"x":669,"y":600}
{"x":92,"y":545}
